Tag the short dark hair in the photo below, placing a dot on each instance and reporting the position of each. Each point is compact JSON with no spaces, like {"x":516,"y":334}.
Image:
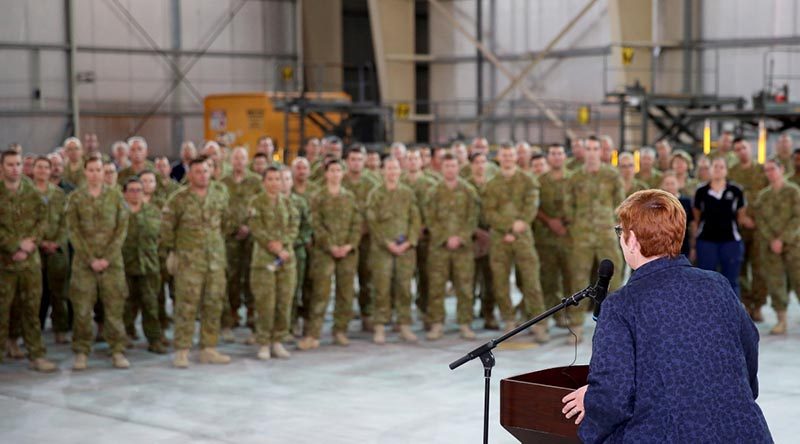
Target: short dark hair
{"x":507,"y":145}
{"x":260,"y":155}
{"x":553,"y":146}
{"x":93,"y":157}
{"x":449,"y":156}
{"x":140,"y":175}
{"x":474,"y":156}
{"x":43,"y":159}
{"x":388,"y":158}
{"x":8,"y":153}
{"x":796,"y":152}
{"x":355,"y":148}
{"x":737,"y":139}
{"x":329,"y":162}
{"x":134,"y":179}
{"x":592,"y":138}
{"x":271,"y":169}
{"x":535,"y":156}
{"x":197,"y":160}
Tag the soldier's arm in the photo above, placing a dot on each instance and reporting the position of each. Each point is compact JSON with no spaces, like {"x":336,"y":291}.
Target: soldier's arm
{"x":61,"y":231}
{"x":434,"y":224}
{"x":121,"y":228}
{"x":261,"y":228}
{"x":619,"y":191}
{"x":569,"y":203}
{"x":414,"y":223}
{"x":530,"y":204}
{"x":473,"y":211}
{"x":40,"y":223}
{"x":491,"y":202}
{"x":294,"y":226}
{"x":354,"y":230}
{"x":306,"y":231}
{"x":9,"y":240}
{"x":322,"y":236}
{"x":169,"y":221}
{"x":83,"y":252}
{"x":792,"y":229}
{"x":373,"y":202}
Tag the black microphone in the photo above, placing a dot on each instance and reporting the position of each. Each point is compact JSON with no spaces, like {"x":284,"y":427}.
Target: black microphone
{"x":604,"y":273}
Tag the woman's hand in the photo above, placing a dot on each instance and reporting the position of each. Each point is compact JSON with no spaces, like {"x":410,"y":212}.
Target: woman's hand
{"x":573,"y":404}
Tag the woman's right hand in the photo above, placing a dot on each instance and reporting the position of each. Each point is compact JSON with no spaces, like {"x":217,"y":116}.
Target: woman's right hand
{"x":573,"y":404}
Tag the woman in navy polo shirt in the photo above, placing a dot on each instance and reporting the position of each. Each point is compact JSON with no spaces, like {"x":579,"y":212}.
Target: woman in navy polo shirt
{"x":718,"y":211}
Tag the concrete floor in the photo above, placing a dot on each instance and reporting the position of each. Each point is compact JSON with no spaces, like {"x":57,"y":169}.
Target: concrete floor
{"x":364,"y":393}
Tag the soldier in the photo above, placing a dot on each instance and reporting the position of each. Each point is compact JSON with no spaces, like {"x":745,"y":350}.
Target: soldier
{"x":142,"y":265}
{"x":180,"y":167}
{"x":606,"y":149}
{"x":156,"y":195}
{"x":266,"y":146}
{"x":452,"y":209}
{"x":311,"y":150}
{"x":796,"y":159}
{"x":137,"y":152}
{"x":336,"y":222}
{"x":783,"y":152}
{"x":421,"y":185}
{"x":260,"y":163}
{"x":578,"y":154}
{"x":191,"y":233}
{"x":778,"y":224}
{"x":681,"y":163}
{"x":479,"y":145}
{"x":361,"y":185}
{"x":110,"y":175}
{"x":57,"y":172}
{"x":243,"y":185}
{"x":73,"y":170}
{"x":592,"y":194}
{"x":53,"y":252}
{"x":301,"y":243}
{"x":703,"y":171}
{"x":510,"y":202}
{"x":332,"y":148}
{"x":165,"y":183}
{"x":301,"y":186}
{"x":119,"y":154}
{"x":274,"y":224}
{"x":626,"y":167}
{"x":27,"y":166}
{"x":97,"y":220}
{"x":213,"y":151}
{"x":538,"y":164}
{"x":750,"y":177}
{"x":482,"y":283}
{"x":648,"y":174}
{"x":373,"y":165}
{"x":524,"y":156}
{"x":664,"y":151}
{"x":23,"y":222}
{"x":550,"y":230}
{"x":724,"y":149}
{"x":425,"y":153}
{"x":394,"y":227}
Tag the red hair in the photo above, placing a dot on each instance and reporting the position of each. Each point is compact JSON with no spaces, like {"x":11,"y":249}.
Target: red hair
{"x":658,"y":220}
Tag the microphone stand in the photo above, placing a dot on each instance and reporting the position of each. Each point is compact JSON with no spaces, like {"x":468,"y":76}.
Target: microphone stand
{"x":484,"y":352}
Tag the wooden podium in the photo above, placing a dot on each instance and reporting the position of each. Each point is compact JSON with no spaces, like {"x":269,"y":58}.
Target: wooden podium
{"x":530,"y":405}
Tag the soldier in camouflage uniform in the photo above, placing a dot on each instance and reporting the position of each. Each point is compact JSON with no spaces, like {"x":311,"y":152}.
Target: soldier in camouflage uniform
{"x":360,"y":184}
{"x":274,"y":222}
{"x":23,"y":222}
{"x":142,"y":265}
{"x":414,"y":178}
{"x":682,"y":165}
{"x":302,"y":187}
{"x":138,"y":157}
{"x":73,"y":168}
{"x":592,"y":194}
{"x":303,"y":239}
{"x":243,"y":185}
{"x":482,"y":283}
{"x":337,"y":231}
{"x":53,"y":252}
{"x":777,"y":212}
{"x":783,"y":153}
{"x":479,"y":145}
{"x":578,"y":149}
{"x":97,"y":220}
{"x":191,"y":239}
{"x":156,"y":195}
{"x":552,"y":242}
{"x":394,"y":227}
{"x":724,"y":149}
{"x":648,"y":174}
{"x":510,"y":202}
{"x":331,"y":148}
{"x":452,"y":209}
{"x":750,"y":177}
{"x":626,"y":171}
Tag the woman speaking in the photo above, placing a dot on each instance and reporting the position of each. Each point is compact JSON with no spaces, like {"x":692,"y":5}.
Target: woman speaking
{"x":674,"y":355}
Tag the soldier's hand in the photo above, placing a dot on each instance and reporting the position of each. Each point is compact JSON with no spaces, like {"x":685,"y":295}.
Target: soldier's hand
{"x":284,"y":255}
{"x":243,"y":232}
{"x":274,"y":246}
{"x":27,"y":245}
{"x":97,"y":265}
{"x":509,"y":238}
{"x":172,"y":263}
{"x":402,"y":248}
{"x":556,"y":226}
{"x":519,"y":226}
{"x":344,"y":250}
{"x":19,"y":256}
{"x":453,"y":242}
{"x":776,"y":246}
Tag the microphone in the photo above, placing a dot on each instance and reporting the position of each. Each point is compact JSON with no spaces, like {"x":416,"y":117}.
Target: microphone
{"x":604,"y":273}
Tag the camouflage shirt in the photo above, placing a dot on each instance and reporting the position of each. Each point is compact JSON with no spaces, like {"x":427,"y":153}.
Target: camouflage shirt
{"x":271,"y":219}
{"x":551,"y":203}
{"x":591,"y":199}
{"x":392,"y":215}
{"x":304,"y":229}
{"x":752,"y":180}
{"x":23,"y":214}
{"x":240,"y":194}
{"x":140,"y":250}
{"x":452,"y":212}
{"x":336,"y":220}
{"x":97,"y":225}
{"x":507,"y":199}
{"x":56,"y":230}
{"x":126,"y":173}
{"x":778,"y":214}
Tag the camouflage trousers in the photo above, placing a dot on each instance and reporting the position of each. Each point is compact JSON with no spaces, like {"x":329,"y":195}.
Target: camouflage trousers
{"x":457,"y":266}
{"x":198,"y":289}
{"x":273,"y":292}
{"x":238,"y":277}
{"x":555,"y":275}
{"x":301,"y":305}
{"x":143,"y":294}
{"x":24,"y":286}
{"x":85,"y":289}
{"x":55,"y":277}
{"x":391,"y":279}
{"x":366,"y":293}
{"x":325,"y":267}
{"x":582,"y":259}
{"x":780,"y":272}
{"x":483,"y":287}
{"x":752,"y":285}
{"x":521,"y":254}
{"x":167,"y":284}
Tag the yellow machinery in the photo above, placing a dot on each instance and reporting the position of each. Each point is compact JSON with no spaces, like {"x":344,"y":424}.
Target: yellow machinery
{"x":240,"y":119}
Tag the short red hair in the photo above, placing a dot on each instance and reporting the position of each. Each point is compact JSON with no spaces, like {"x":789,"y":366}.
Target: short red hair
{"x":658,"y":220}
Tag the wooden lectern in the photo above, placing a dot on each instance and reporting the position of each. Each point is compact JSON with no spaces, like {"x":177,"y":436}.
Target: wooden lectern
{"x":530,"y":405}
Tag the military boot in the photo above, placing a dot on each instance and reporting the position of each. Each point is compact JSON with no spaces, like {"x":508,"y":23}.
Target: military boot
{"x":279,"y":351}
{"x":80,"y":362}
{"x":264,"y":353}
{"x":210,"y":355}
{"x":181,"y":359}
{"x":42,"y":365}
{"x":119,"y":361}
{"x":407,"y":335}
{"x":379,"y":337}
{"x":340,"y":338}
{"x":540,"y":334}
{"x":466,"y":332}
{"x":13,"y":350}
{"x":308,"y":343}
{"x":436,"y":332}
{"x":780,"y":327}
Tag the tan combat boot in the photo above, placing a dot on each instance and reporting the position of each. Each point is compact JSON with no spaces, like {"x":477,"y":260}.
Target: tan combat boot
{"x":264,"y":353}
{"x":540,"y":334}
{"x":436,"y":332}
{"x":227,"y":336}
{"x":210,"y":355}
{"x":119,"y":361}
{"x":13,"y":350}
{"x":43,"y":365}
{"x":181,"y":359}
{"x":339,"y":338}
{"x":780,"y":327}
{"x":80,"y":362}
{"x":466,"y":332}
{"x":379,"y":336}
{"x":308,"y":343}
{"x":279,"y":351}
{"x":407,"y":335}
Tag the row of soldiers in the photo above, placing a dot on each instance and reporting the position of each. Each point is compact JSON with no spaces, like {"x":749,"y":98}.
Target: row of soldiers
{"x":279,"y":237}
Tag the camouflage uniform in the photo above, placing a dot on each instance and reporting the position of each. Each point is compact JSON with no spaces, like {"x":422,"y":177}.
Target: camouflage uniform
{"x":142,"y":271}
{"x":76,"y":177}
{"x":301,"y":303}
{"x":23,"y":215}
{"x":392,"y":216}
{"x":272,"y":218}
{"x":573,"y":164}
{"x":730,"y":156}
{"x":636,"y":185}
{"x":482,"y":282}
{"x":690,"y":187}
{"x":589,"y":202}
{"x":421,"y":187}
{"x":361,"y":190}
{"x":55,"y":266}
{"x":128,"y":172}
{"x":752,"y":286}
{"x":795,"y":178}
{"x":491,"y":170}
{"x":97,"y":228}
{"x":651,"y":181}
{"x":451,"y":212}
{"x":164,"y":190}
{"x":238,"y":252}
{"x":506,"y":200}
{"x":191,"y":227}
{"x":336,"y":221}
{"x":553,"y":250}
{"x":778,"y":217}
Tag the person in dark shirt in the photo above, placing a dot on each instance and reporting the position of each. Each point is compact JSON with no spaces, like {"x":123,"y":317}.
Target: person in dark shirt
{"x":674,"y":355}
{"x":670,"y":184}
{"x":719,"y":208}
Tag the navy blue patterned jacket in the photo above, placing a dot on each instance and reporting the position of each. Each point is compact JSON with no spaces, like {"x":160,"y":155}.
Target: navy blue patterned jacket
{"x":674,"y":360}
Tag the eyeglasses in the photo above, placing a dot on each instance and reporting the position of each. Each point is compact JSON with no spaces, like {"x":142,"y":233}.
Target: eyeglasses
{"x":618,"y":230}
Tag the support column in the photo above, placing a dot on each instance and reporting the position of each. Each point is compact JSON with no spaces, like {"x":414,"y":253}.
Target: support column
{"x":177,"y":128}
{"x":322,"y":44}
{"x":72,"y":79}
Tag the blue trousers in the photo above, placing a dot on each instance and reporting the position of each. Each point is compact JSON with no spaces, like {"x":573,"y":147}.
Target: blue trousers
{"x":725,"y":257}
